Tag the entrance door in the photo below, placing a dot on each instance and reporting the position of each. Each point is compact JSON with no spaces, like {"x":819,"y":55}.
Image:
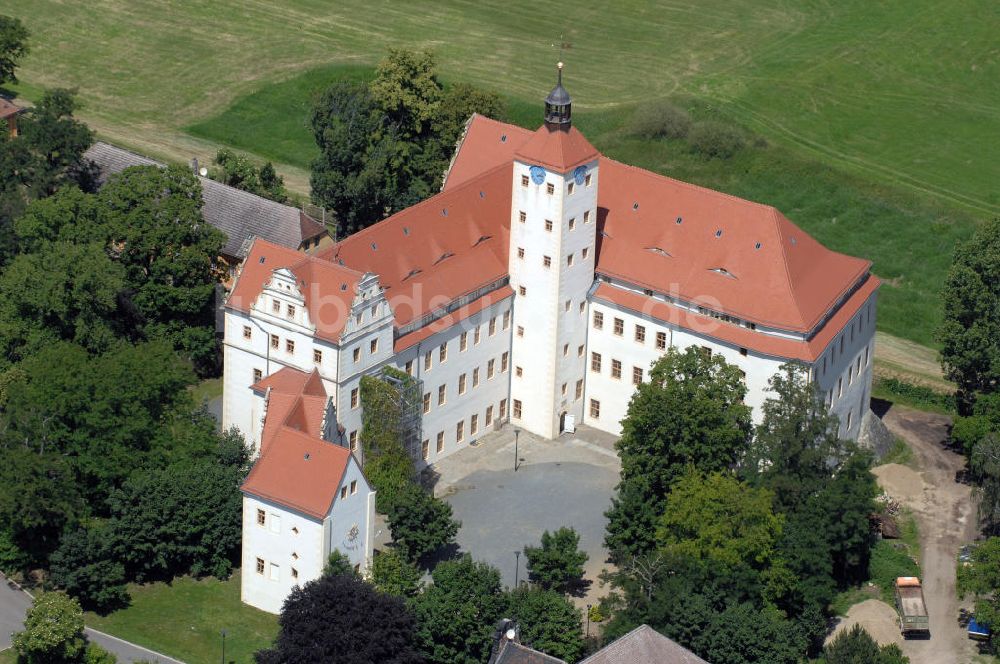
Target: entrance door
{"x":569,"y":423}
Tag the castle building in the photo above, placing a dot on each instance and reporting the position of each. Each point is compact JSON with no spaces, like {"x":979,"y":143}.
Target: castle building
{"x":538,"y":287}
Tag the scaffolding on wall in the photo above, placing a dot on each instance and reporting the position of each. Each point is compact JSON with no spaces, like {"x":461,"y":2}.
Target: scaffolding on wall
{"x":409,"y":392}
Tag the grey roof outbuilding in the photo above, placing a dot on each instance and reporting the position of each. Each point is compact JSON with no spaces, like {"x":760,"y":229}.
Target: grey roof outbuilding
{"x":237,"y":213}
{"x":644,"y":645}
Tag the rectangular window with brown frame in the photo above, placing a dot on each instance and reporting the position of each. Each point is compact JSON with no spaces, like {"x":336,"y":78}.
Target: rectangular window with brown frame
{"x":524,"y":180}
{"x":274,"y":341}
{"x":247,"y":332}
{"x":427,"y":361}
{"x":598,"y":320}
{"x":460,"y":431}
{"x":504,"y":361}
{"x":290,"y":310}
{"x":595,"y":362}
{"x":289,"y":346}
{"x":440,"y":442}
{"x":257,"y":375}
{"x":443,"y":353}
{"x":493,"y":326}
{"x":353,"y":440}
{"x":442,"y":394}
{"x":317,"y":356}
{"x":490,"y":369}
{"x":356,"y":355}
{"x":463,"y":342}
{"x":595,"y":409}
{"x":261,"y":517}
{"x":260,"y":566}
{"x":474,"y":425}
{"x":425,"y":449}
{"x":461,"y":384}
{"x":616,"y":369}
{"x":636,"y":376}
{"x":619,"y":327}
{"x":548,"y":225}
{"x":503,"y":408}
{"x":373,"y":346}
{"x":427,"y":402}
{"x":550,"y":189}
{"x":640,"y":334}
{"x":579,"y":390}
{"x":517,"y":409}
{"x":661,"y":341}
{"x":355,"y":400}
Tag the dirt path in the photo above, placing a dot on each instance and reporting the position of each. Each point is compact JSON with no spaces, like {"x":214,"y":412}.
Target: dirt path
{"x":946,"y":518}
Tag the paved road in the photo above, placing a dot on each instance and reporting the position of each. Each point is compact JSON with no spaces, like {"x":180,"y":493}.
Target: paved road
{"x":565,"y":482}
{"x":14,"y":603}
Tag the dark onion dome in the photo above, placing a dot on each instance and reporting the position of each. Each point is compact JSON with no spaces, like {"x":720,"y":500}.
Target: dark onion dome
{"x":558,"y":105}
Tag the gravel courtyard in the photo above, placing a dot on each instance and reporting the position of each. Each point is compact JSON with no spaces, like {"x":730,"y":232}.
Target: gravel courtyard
{"x":564,"y":482}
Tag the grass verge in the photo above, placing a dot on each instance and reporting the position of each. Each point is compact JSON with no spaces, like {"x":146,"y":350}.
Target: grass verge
{"x":206,"y":390}
{"x":8,"y":656}
{"x":183,"y":619}
{"x":900,"y":453}
{"x":919,"y":397}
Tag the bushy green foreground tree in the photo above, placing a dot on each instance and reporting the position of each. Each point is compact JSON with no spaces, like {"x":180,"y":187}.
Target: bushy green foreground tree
{"x":341,"y":619}
{"x":13,"y":47}
{"x":690,"y":412}
{"x":548,"y":621}
{"x":558,"y":563}
{"x":856,"y":646}
{"x":393,"y":574}
{"x":53,"y":634}
{"x":970,"y":332}
{"x":385,"y":145}
{"x":236,"y":170}
{"x":748,"y":556}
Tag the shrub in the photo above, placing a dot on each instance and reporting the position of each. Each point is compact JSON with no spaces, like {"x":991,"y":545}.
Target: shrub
{"x":715,"y":140}
{"x":420,"y":523}
{"x":660,"y":120}
{"x":558,"y":562}
{"x":85,"y":567}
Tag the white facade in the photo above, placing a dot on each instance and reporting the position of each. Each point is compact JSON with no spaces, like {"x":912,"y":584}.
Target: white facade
{"x":553,"y":222}
{"x":284,"y":548}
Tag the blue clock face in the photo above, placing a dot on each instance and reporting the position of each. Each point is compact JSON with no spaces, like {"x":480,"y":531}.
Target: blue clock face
{"x":580,"y":174}
{"x":537,"y":174}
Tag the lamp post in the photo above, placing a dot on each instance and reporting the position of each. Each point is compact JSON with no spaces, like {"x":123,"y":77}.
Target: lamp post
{"x":517,"y":566}
{"x":223,"y":632}
{"x":517,"y":432}
{"x":588,"y":621}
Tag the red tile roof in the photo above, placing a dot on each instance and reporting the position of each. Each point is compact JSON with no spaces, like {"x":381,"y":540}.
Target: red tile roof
{"x":765,"y":344}
{"x":486,"y":145}
{"x":299,"y":471}
{"x":436,"y":251}
{"x":328,"y":288}
{"x":8,"y":109}
{"x":559,"y":149}
{"x":284,"y":474}
{"x":711,"y":257}
{"x":460,"y":314}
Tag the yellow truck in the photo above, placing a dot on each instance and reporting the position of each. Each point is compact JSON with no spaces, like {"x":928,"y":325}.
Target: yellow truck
{"x":910,"y":604}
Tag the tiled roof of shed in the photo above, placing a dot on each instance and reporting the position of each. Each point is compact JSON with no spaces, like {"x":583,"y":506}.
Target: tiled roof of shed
{"x":237,"y":213}
{"x":8,"y":109}
{"x":644,"y":645}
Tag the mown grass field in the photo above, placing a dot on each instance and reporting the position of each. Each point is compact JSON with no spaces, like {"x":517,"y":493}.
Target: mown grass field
{"x":184,"y":619}
{"x":880,"y":118}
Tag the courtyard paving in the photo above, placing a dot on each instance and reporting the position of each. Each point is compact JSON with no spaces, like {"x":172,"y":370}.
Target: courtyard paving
{"x":568,"y":481}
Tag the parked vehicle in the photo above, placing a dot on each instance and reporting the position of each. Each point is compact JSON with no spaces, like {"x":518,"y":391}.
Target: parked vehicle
{"x":965,"y":554}
{"x":978,"y":631}
{"x":910,"y":604}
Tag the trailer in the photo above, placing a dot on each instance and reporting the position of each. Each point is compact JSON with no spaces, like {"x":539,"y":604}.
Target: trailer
{"x":910,"y":604}
{"x":978,"y":631}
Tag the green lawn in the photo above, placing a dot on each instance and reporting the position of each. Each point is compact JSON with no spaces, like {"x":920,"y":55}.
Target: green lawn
{"x":879,"y":118}
{"x":206,"y":390}
{"x":901,"y":91}
{"x":184,"y":620}
{"x":8,"y":656}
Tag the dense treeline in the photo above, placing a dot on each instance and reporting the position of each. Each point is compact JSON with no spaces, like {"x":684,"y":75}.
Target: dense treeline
{"x":109,"y":471}
{"x":731,"y":539}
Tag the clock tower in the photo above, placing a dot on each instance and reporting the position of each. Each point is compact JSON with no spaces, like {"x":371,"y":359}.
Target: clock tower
{"x":553,"y":230}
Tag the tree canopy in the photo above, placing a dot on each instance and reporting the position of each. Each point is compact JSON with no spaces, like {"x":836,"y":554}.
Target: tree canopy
{"x":13,"y":47}
{"x":558,"y":562}
{"x":970,"y":332}
{"x":53,"y":631}
{"x":385,"y":145}
{"x":236,"y":170}
{"x":690,"y":412}
{"x":548,"y":621}
{"x":341,"y":619}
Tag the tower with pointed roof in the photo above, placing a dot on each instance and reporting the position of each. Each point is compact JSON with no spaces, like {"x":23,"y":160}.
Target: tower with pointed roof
{"x":552,"y":237}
